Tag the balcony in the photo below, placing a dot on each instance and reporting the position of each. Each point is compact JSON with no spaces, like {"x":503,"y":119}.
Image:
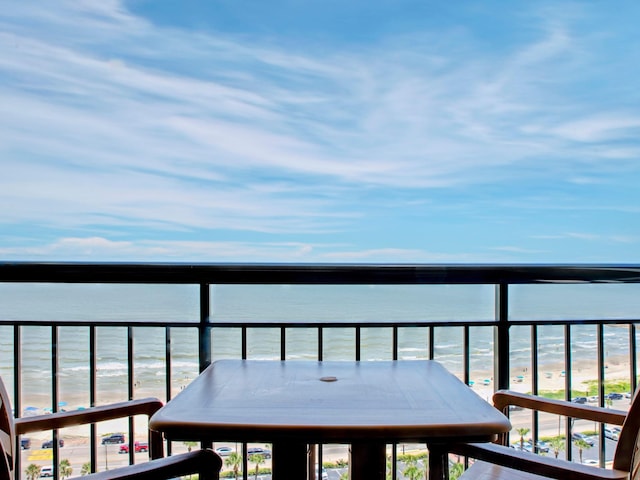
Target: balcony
{"x":75,"y":335}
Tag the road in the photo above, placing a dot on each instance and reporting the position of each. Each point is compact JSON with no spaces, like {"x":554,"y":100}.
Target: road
{"x":77,"y":450}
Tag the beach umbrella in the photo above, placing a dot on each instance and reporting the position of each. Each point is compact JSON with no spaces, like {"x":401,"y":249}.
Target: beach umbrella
{"x":30,"y":411}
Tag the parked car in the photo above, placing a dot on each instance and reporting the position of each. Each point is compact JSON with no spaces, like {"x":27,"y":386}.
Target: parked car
{"x":524,"y":447}
{"x":49,"y":443}
{"x":259,"y":451}
{"x":611,"y":434}
{"x":614,"y":396}
{"x":46,"y":471}
{"x":25,"y":443}
{"x":582,"y":436}
{"x":579,"y":400}
{"x":113,"y":438}
{"x":322,"y":475}
{"x":137,"y":447}
{"x":541,"y":446}
{"x":224,"y":451}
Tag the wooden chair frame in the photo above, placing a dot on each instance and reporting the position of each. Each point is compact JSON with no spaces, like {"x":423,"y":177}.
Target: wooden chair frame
{"x":205,"y":462}
{"x":537,"y":466}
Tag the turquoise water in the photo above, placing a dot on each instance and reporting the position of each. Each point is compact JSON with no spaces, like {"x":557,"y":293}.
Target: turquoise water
{"x":284,"y":303}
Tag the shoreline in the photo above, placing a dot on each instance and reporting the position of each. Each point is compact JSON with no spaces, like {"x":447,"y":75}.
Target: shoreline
{"x":550,"y":378}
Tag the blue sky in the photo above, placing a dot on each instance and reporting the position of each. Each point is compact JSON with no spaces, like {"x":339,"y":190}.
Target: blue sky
{"x":291,"y":131}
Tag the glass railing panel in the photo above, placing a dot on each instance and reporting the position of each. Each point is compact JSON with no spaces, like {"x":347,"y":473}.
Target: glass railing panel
{"x":413,"y":343}
{"x":73,"y":368}
{"x":520,"y":357}
{"x":448,"y":349}
{"x":149,"y":362}
{"x":36,"y":370}
{"x":551,"y":364}
{"x":617,"y":361}
{"x":585,"y":301}
{"x":376,"y":343}
{"x":481,"y":359}
{"x":184,"y":358}
{"x":584,"y":361}
{"x":351,"y":303}
{"x":99,"y":302}
{"x":112,"y":364}
{"x":226,"y":342}
{"x":301,"y":344}
{"x":339,"y":344}
{"x":263,"y":343}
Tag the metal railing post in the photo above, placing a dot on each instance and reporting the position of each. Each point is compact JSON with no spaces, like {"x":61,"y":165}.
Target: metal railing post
{"x":204,"y":329}
{"x":501,"y":337}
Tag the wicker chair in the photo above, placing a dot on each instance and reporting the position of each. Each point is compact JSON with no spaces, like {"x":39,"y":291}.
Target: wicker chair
{"x":205,"y":462}
{"x":499,"y":462}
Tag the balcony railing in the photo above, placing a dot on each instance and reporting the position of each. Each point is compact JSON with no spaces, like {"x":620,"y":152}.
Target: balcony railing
{"x":85,"y":334}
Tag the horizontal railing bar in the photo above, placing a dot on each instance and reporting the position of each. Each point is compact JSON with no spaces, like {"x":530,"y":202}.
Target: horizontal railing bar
{"x":316,"y":323}
{"x":314,"y":274}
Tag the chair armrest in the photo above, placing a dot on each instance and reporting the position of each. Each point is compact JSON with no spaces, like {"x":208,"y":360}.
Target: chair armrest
{"x":537,"y":464}
{"x":39,"y":423}
{"x":502,"y":399}
{"x":143,"y":406}
{"x":205,"y":462}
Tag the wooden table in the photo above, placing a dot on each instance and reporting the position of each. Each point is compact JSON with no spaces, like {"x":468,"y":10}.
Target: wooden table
{"x":296,"y":403}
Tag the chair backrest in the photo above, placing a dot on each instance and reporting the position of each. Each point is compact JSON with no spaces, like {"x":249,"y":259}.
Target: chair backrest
{"x":627,"y":456}
{"x":7,"y":437}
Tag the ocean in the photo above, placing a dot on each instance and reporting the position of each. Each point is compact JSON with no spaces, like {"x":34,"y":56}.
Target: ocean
{"x":287,"y":304}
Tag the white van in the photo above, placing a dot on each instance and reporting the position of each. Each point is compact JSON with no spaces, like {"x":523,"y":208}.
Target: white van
{"x":46,"y":471}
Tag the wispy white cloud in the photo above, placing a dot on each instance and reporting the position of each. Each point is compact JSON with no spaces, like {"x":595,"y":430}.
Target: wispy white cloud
{"x":516,"y":249}
{"x":144,"y":250}
{"x":127,"y":124}
{"x":591,"y":237}
{"x":615,"y":126}
{"x":401,"y":122}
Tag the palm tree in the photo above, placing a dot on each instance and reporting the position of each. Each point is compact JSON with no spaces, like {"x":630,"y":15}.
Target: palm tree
{"x":32,"y":471}
{"x":456,"y":470}
{"x":557,"y":443}
{"x":257,"y":459}
{"x":86,"y":469}
{"x":190,"y":445}
{"x":412,"y":471}
{"x":65,"y":468}
{"x":582,"y":445}
{"x":234,"y":460}
{"x":522,"y":432}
